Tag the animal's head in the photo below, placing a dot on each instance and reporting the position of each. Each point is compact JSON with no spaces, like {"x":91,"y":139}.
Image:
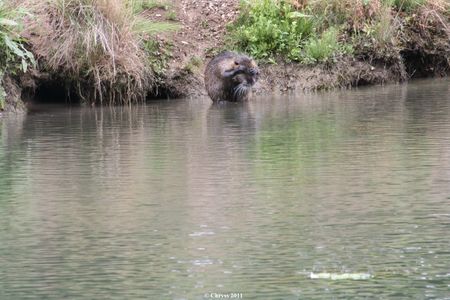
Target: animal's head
{"x":250,"y":71}
{"x":248,"y":76}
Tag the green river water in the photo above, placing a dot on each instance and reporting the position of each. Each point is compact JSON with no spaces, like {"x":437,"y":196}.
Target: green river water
{"x":339,"y":195}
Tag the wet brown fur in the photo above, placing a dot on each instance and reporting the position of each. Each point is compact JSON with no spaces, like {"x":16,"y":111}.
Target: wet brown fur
{"x":230,"y":76}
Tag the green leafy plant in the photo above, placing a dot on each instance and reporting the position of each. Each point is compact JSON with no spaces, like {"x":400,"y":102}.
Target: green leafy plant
{"x":14,"y":57}
{"x":269,"y":28}
{"x":158,"y":54}
{"x":13,"y":54}
{"x":324,"y":48}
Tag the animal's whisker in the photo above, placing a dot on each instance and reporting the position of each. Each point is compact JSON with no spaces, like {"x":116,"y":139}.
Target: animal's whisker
{"x":236,"y":91}
{"x":240,"y":90}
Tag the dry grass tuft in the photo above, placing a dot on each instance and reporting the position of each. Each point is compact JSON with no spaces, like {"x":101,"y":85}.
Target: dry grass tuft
{"x":434,"y":16}
{"x":91,"y":44}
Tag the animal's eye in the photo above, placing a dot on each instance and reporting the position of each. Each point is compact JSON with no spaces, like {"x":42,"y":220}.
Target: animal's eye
{"x":236,"y":63}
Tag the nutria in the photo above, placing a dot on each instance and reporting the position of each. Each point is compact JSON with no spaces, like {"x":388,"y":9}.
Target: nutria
{"x":230,"y":76}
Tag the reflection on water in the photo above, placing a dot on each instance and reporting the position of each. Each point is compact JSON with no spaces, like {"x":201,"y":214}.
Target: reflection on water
{"x":177,"y":199}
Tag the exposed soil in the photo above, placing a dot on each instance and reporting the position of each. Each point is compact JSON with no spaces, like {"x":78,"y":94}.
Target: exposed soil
{"x":13,"y":99}
{"x":285,"y":77}
{"x":203,"y":26}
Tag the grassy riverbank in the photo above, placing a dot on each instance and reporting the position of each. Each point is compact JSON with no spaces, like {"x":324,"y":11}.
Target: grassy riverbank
{"x":119,"y":52}
{"x":355,"y":41}
{"x":318,"y":31}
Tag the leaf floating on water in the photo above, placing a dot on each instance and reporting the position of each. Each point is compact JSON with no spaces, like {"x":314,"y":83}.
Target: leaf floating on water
{"x":202,"y":233}
{"x":343,"y":276}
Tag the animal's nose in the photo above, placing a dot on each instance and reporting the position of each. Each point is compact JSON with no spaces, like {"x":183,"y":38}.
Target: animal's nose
{"x":253,"y":72}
